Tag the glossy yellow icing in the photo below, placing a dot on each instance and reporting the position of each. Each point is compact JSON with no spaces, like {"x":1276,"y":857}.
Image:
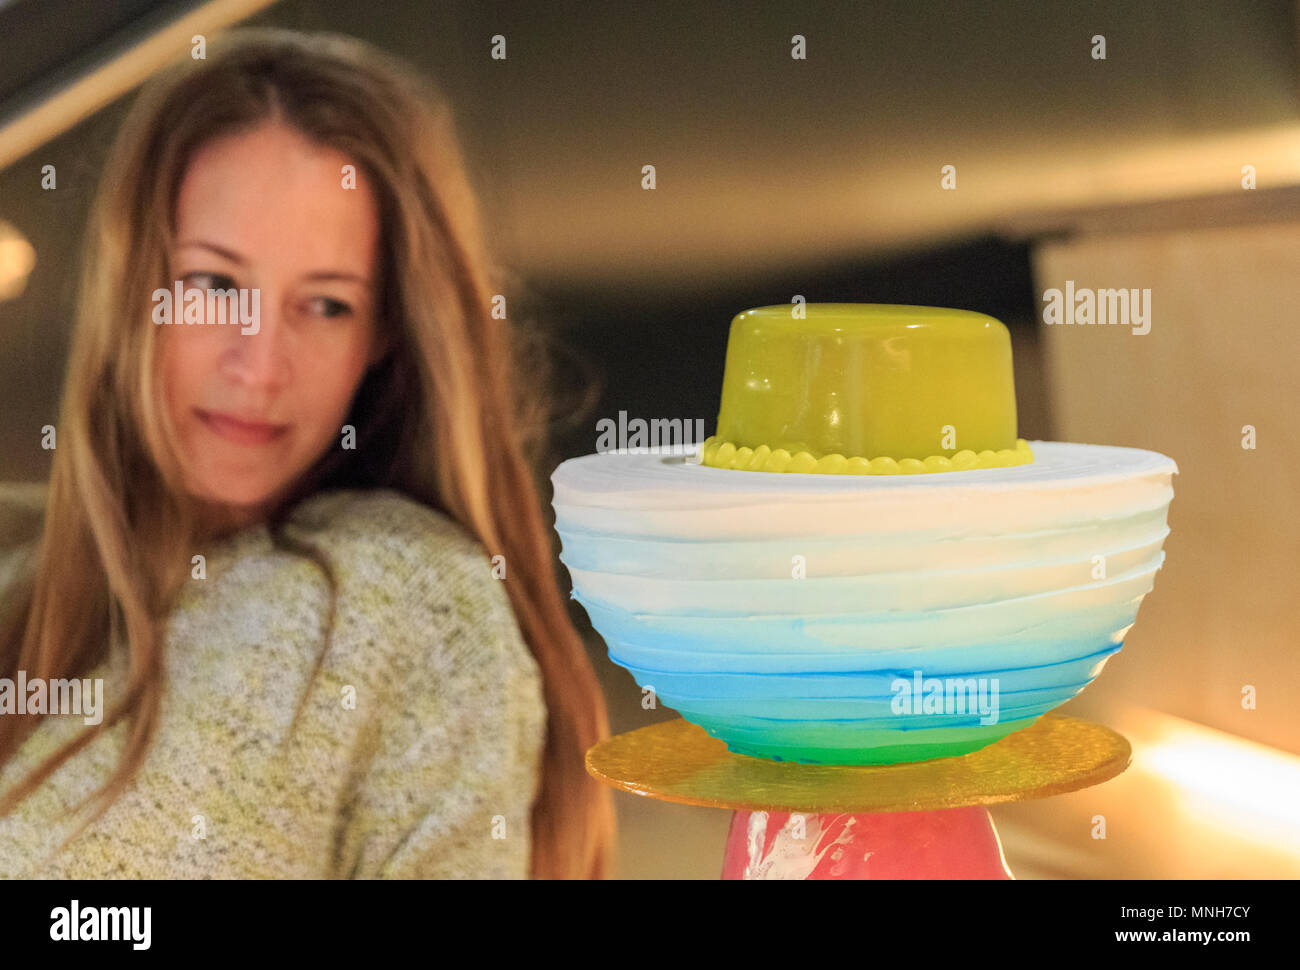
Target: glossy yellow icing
{"x":717,"y":453}
{"x":867,"y":389}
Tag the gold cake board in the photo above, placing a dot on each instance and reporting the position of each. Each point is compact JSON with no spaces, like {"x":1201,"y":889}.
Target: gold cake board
{"x":943,"y":829}
{"x":677,"y":761}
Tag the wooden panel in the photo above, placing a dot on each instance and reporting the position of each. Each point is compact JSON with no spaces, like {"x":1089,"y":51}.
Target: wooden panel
{"x":1221,"y":353}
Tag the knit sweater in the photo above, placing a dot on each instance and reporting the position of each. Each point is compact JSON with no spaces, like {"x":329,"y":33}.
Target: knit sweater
{"x":415,"y":755}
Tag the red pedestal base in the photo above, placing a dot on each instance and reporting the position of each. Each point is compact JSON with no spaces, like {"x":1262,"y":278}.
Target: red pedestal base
{"x":954,"y":843}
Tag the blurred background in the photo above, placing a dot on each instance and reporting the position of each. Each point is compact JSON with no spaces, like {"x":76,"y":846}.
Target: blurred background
{"x":1171,"y":164}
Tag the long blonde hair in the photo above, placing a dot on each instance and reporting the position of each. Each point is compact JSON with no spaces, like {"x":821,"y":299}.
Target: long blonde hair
{"x":444,"y":418}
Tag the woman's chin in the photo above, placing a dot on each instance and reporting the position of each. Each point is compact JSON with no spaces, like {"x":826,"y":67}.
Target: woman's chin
{"x":236,"y":506}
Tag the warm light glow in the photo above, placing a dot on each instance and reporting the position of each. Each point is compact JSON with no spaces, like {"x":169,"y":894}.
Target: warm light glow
{"x":1246,"y":786}
{"x":17,"y":259}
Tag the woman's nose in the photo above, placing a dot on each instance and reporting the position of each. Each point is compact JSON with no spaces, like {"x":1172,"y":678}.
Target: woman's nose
{"x":257,"y":350}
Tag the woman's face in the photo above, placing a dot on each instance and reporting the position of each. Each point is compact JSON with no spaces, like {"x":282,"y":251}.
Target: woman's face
{"x":255,"y":406}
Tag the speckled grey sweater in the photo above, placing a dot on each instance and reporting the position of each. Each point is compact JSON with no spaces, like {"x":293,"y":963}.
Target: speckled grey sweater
{"x":430,"y":775}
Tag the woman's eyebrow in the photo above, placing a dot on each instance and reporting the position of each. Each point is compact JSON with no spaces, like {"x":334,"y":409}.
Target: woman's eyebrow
{"x":340,"y":275}
{"x":219,"y":250}
{"x":239,"y":260}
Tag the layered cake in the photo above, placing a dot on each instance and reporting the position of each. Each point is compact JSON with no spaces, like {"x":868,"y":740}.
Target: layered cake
{"x":866,"y":564}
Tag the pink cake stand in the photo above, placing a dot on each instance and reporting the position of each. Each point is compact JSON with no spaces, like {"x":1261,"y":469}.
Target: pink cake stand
{"x":920,"y":820}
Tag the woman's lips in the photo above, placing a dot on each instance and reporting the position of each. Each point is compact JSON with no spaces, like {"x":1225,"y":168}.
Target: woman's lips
{"x":241,"y":432}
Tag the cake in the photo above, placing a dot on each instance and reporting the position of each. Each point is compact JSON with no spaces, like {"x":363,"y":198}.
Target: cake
{"x":865,"y":564}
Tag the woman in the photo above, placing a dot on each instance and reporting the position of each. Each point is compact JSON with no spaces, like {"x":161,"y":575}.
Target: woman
{"x":305,"y":554}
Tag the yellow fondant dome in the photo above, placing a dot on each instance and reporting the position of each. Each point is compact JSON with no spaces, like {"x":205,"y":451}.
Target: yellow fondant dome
{"x":866,"y":389}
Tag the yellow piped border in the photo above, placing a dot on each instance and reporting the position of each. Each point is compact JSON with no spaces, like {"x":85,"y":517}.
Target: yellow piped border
{"x":717,"y":453}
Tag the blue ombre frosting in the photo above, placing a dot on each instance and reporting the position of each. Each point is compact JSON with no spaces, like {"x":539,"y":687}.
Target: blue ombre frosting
{"x":789,"y":614}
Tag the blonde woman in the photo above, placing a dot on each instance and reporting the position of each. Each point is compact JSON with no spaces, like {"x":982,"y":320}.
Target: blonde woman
{"x":303,"y":555}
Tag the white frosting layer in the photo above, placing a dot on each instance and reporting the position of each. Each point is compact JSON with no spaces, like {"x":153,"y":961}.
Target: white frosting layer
{"x":657,"y":534}
{"x":670,"y":497}
{"x":776,"y":609}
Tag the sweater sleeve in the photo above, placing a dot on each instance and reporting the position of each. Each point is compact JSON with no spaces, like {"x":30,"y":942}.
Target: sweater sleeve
{"x":446,"y":768}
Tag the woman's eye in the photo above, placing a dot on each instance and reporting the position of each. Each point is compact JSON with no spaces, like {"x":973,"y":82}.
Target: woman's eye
{"x":208,"y":281}
{"x":327,"y":307}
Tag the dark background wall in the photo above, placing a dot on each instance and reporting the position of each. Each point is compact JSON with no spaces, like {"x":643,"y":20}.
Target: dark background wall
{"x":776,"y":176}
